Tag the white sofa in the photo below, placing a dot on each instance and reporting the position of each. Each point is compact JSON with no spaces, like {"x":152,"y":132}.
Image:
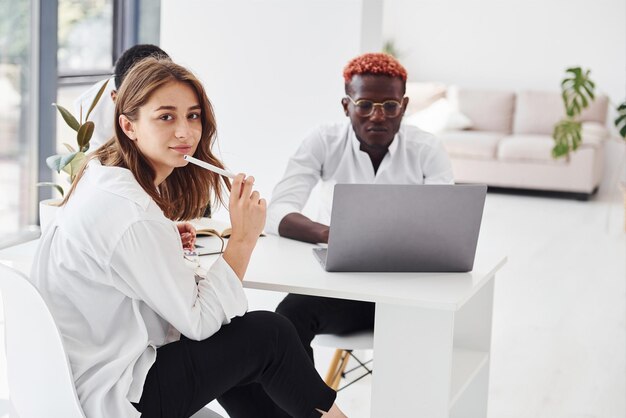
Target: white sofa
{"x":507,"y":140}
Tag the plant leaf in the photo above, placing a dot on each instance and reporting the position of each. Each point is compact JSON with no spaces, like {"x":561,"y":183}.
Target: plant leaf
{"x":84,"y":134}
{"x":589,"y":90}
{"x":54,"y":162}
{"x":620,"y":121}
{"x":67,"y":117}
{"x":69,"y":147}
{"x":567,"y":136}
{"x":577,"y":91}
{"x":389,"y":48}
{"x":74,"y":165}
{"x":97,"y":98}
{"x":66,"y":159}
{"x":53,"y":185}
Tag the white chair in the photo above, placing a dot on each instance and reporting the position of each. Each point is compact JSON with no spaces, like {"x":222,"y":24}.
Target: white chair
{"x":206,"y":413}
{"x":344,"y":346}
{"x":39,"y":375}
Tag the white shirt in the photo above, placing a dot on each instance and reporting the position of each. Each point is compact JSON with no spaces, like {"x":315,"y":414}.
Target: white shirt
{"x":111,"y":270}
{"x":331,"y":154}
{"x":102,"y":115}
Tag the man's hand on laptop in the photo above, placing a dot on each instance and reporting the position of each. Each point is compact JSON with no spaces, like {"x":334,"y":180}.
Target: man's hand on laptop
{"x":299,"y":227}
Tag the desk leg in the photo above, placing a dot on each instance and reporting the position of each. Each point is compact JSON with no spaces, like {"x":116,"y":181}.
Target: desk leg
{"x":412,"y":362}
{"x":472,"y":330}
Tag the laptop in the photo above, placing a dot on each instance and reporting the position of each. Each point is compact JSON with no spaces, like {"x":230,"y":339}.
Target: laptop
{"x":403,"y":228}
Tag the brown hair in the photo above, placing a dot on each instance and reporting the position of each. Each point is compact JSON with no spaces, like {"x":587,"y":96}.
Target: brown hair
{"x":186,"y":192}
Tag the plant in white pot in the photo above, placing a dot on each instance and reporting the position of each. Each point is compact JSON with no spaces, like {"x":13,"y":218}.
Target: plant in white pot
{"x":71,"y":161}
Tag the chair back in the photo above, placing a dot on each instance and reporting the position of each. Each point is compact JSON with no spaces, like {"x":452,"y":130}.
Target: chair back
{"x":39,"y":375}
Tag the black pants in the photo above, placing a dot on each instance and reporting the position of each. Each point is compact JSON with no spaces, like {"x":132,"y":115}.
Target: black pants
{"x":312,"y":315}
{"x":260,"y":350}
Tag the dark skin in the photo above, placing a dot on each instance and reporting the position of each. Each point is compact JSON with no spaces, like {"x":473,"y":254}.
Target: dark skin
{"x":375,"y":134}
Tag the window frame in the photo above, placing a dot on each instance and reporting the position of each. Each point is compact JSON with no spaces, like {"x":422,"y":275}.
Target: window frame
{"x":125,"y":32}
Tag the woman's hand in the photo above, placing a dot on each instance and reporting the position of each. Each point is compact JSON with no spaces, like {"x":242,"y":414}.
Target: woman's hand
{"x":247,"y":211}
{"x":187,"y":235}
{"x":247,"y":219}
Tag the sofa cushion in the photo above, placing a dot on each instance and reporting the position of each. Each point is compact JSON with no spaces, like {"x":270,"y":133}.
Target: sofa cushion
{"x":439,"y":116}
{"x":526,"y":147}
{"x":536,"y":112}
{"x":539,"y":147}
{"x":488,"y":110}
{"x":471,"y":144}
{"x":597,"y":110}
{"x":423,"y":94}
{"x":593,"y":133}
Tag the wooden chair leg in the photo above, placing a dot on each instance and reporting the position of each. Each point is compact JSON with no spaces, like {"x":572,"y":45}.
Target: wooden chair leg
{"x":345,"y":356}
{"x":332,"y":369}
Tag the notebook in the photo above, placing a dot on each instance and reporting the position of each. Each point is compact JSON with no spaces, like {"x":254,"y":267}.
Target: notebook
{"x":210,"y":234}
{"x":403,"y":228}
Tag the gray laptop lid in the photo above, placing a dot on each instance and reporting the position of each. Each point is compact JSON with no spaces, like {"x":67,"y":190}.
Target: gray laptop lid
{"x":412,"y":228}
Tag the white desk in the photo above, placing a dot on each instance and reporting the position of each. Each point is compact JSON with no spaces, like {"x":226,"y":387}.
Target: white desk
{"x":432,"y":330}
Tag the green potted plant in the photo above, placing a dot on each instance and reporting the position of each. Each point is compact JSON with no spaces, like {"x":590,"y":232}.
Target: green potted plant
{"x":577,"y":91}
{"x":70,"y":162}
{"x":389,"y":47}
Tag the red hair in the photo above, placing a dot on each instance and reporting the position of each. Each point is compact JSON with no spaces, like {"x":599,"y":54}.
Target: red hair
{"x":374,"y":63}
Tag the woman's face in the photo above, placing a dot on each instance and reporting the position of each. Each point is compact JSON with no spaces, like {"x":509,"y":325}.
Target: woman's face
{"x":169,"y":126}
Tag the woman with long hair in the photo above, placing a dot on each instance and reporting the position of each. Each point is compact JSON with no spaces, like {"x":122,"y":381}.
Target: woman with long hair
{"x":146,"y":334}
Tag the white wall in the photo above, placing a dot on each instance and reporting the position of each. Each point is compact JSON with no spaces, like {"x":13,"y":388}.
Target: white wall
{"x":512,"y":44}
{"x":507,"y":44}
{"x":273,"y":69}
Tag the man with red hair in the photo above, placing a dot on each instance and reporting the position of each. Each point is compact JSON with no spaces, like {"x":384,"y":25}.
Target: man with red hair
{"x":371,"y":147}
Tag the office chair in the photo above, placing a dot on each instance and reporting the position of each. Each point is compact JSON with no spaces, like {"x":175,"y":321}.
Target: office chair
{"x":39,"y":374}
{"x":344,"y":346}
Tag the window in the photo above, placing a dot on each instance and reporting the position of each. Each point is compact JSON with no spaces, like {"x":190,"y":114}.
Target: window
{"x":18,"y":160}
{"x":85,"y":37}
{"x":149,"y":22}
{"x":90,"y":34}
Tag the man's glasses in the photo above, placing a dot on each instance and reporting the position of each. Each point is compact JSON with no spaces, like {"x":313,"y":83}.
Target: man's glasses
{"x":365,"y":108}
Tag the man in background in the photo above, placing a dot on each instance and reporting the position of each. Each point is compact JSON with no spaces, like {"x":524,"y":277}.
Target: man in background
{"x":371,"y":147}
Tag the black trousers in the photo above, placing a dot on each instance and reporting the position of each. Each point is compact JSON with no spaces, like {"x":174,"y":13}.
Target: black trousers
{"x":259,"y":351}
{"x":312,"y":315}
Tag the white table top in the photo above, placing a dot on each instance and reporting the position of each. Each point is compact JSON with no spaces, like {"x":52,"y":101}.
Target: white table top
{"x":285,"y":265}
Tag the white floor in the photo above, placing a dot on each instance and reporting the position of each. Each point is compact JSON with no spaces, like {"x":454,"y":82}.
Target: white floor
{"x":559,"y":337}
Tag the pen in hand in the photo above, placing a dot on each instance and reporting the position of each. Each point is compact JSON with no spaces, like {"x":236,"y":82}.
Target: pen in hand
{"x":209,"y":167}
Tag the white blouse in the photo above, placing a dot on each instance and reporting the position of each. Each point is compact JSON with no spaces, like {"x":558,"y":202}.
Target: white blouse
{"x":331,"y":154}
{"x":111,"y":270}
